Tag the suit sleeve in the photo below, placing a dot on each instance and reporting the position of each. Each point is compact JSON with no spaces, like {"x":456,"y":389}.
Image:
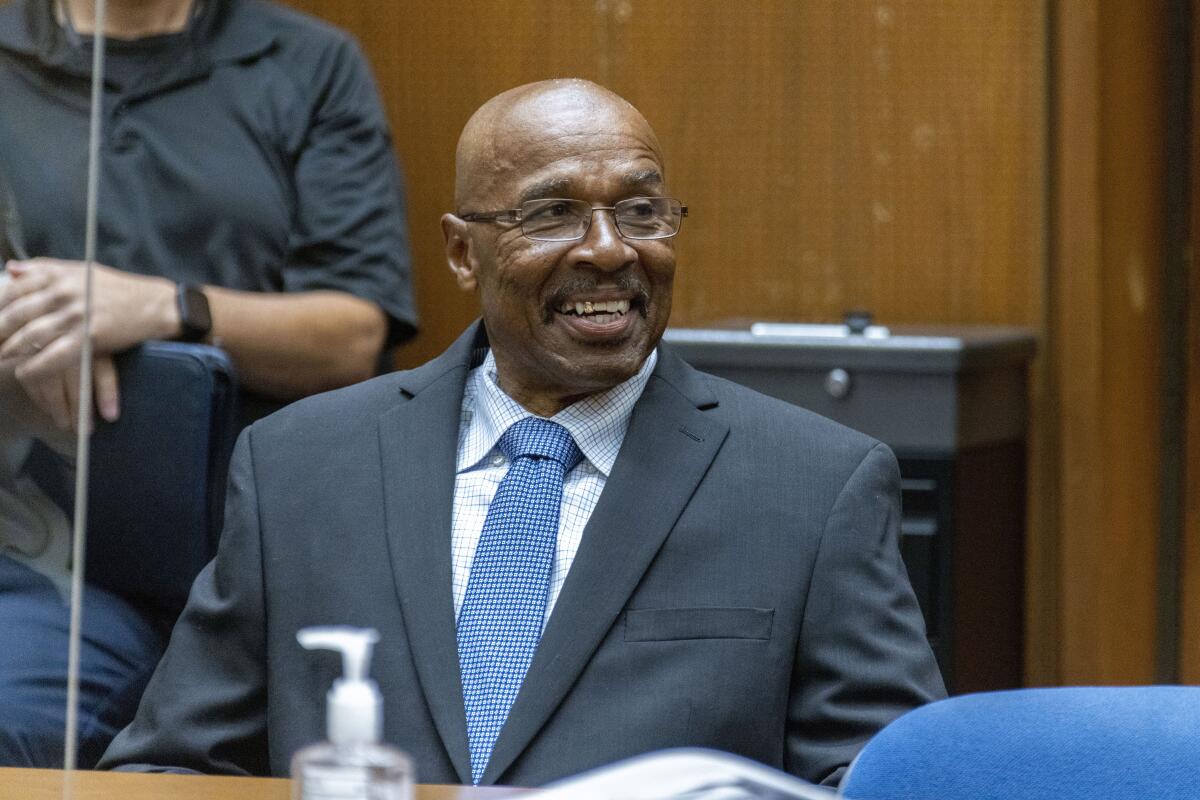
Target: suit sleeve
{"x":204,"y":709}
{"x":863,"y":657}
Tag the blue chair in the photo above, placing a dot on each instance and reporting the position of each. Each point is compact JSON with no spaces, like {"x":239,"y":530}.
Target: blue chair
{"x":1050,"y":744}
{"x":156,"y":492}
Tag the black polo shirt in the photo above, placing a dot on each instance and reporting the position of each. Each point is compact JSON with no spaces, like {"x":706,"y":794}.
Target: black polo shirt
{"x":253,"y":155}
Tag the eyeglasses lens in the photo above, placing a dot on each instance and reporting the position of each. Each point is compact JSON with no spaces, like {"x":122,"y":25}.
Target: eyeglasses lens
{"x":564,"y":220}
{"x":555,"y":220}
{"x":647,"y":217}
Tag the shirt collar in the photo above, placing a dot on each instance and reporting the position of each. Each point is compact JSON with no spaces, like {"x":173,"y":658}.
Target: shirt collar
{"x":28,"y":27}
{"x":223,"y":30}
{"x":597,"y":422}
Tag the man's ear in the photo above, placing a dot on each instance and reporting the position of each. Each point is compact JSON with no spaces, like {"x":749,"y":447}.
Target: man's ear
{"x":460,"y":254}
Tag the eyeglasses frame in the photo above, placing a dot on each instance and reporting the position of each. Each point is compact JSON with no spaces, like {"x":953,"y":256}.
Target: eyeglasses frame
{"x":514,"y":216}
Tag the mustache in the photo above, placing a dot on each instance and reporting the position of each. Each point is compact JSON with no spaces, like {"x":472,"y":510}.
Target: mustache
{"x":580,"y":284}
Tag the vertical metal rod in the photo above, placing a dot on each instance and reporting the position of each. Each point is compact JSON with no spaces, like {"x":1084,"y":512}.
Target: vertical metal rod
{"x":79,"y":546}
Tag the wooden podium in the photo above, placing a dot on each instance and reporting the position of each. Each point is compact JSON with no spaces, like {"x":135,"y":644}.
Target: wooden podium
{"x":53,"y":784}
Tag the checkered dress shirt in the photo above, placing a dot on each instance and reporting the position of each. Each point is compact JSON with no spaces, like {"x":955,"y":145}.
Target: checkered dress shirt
{"x":597,"y":423}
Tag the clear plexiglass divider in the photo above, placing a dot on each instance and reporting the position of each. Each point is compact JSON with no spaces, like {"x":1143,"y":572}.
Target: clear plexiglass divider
{"x":44,"y":451}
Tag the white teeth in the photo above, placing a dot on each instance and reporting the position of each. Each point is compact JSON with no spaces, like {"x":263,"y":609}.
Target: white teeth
{"x":589,"y":307}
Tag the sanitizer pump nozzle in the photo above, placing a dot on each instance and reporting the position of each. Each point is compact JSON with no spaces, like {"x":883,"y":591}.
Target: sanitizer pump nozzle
{"x":354,"y":707}
{"x":352,"y":764}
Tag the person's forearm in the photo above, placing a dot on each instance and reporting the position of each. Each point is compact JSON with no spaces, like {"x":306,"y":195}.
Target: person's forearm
{"x":284,"y":345}
{"x":287,"y":346}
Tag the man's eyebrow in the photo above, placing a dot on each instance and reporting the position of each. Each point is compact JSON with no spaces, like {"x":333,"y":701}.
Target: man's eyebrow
{"x":643,"y":177}
{"x":551,"y":187}
{"x":560,"y":187}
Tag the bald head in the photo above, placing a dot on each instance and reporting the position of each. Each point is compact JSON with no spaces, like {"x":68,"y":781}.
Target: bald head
{"x":553,"y":113}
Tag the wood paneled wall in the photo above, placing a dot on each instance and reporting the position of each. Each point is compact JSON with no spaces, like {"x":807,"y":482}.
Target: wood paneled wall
{"x":931,"y":161}
{"x":1105,"y":334}
{"x":1190,"y":627}
{"x":834,"y":155}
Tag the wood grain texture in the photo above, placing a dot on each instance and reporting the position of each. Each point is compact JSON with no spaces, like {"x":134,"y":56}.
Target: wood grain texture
{"x":1106,"y":306}
{"x":1190,"y":559}
{"x":53,"y":784}
{"x":866,"y":156}
{"x":836,"y":155}
{"x":1072,"y":480}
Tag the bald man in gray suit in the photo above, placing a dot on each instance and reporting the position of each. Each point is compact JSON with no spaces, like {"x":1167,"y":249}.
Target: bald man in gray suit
{"x":726,"y":571}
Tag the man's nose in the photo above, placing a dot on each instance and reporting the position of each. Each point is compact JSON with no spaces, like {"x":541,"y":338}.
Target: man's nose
{"x":603,"y":246}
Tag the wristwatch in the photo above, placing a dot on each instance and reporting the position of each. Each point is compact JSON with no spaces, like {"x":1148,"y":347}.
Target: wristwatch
{"x":195,"y":320}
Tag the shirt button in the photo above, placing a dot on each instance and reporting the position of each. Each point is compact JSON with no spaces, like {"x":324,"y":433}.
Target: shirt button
{"x":497,"y":460}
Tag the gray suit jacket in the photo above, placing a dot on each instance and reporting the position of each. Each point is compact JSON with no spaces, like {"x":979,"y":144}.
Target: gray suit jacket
{"x":738,"y":586}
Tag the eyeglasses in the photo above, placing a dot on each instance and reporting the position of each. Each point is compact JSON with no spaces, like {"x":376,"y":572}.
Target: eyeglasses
{"x":558,"y":220}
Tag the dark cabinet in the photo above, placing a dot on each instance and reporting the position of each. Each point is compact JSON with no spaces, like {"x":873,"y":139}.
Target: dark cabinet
{"x":951,"y":402}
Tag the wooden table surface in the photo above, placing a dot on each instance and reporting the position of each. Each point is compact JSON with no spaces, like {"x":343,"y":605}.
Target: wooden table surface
{"x":53,"y":784}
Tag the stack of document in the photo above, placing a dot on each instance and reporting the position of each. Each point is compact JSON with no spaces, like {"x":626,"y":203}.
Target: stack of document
{"x":684,"y":774}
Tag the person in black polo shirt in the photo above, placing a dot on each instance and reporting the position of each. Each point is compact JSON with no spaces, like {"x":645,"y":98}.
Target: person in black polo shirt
{"x":249,"y":197}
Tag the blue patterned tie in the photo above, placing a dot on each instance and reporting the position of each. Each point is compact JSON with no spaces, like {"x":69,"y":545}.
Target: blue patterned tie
{"x":501,"y":618}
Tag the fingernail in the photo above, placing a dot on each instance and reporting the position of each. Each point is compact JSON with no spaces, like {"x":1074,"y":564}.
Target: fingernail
{"x":109,"y":410}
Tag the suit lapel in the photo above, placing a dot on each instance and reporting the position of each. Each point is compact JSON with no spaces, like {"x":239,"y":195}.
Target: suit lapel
{"x":669,"y":446}
{"x":418,"y":441}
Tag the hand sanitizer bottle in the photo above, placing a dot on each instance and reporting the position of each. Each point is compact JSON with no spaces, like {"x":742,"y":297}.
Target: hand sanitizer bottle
{"x":352,"y":764}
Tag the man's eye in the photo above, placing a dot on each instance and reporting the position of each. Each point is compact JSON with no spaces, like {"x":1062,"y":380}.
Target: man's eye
{"x":552,"y":210}
{"x":642,"y":208}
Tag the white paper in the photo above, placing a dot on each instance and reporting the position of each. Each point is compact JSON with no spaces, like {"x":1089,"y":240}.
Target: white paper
{"x":684,"y":774}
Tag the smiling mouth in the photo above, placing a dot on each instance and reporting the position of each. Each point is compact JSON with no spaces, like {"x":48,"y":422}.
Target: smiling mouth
{"x":584,"y":301}
{"x":599,"y":312}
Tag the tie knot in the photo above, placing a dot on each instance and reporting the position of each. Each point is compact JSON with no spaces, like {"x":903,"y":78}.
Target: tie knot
{"x":534,"y":436}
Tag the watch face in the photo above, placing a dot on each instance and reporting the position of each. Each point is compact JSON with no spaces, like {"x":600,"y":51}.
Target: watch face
{"x":194,"y":316}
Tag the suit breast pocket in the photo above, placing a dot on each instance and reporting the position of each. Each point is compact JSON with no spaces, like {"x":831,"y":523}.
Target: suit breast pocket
{"x":668,"y":624}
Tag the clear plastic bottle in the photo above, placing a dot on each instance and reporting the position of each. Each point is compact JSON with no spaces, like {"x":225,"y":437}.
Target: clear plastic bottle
{"x":352,"y":764}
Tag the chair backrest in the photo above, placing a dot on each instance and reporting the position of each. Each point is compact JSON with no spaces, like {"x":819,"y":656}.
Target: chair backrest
{"x":1052,"y":744}
{"x":157,"y":484}
{"x":156,"y":492}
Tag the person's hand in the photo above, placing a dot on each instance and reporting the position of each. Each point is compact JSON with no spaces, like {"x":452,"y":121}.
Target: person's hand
{"x":41,"y":317}
{"x":58,"y":395}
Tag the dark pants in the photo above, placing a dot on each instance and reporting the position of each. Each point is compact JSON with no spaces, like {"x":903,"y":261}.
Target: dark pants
{"x":120,"y":648}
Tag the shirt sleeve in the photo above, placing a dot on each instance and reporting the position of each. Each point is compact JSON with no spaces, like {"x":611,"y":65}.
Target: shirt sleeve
{"x":350,"y":232}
